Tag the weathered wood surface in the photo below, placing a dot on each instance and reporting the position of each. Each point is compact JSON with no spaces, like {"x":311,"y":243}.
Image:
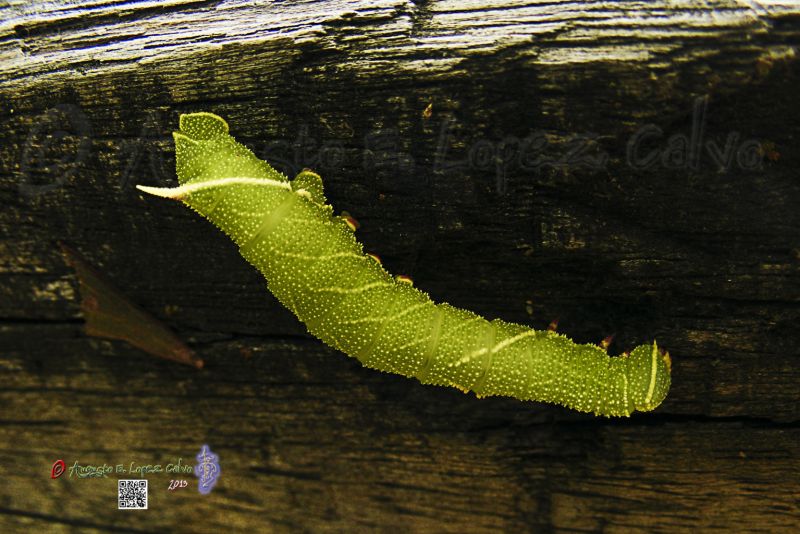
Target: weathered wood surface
{"x":703,"y":255}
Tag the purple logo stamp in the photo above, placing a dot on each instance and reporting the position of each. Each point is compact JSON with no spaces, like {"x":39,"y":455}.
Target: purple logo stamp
{"x":207,"y":470}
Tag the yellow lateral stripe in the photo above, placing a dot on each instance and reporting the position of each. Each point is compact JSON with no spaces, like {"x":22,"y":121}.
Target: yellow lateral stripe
{"x":653,"y":369}
{"x":185,"y":189}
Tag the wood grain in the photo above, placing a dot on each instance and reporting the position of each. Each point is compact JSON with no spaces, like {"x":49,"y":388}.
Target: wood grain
{"x":415,"y":114}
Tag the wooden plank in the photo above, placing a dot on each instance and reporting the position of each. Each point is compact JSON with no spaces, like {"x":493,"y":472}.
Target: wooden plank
{"x":400,"y":455}
{"x":702,"y":254}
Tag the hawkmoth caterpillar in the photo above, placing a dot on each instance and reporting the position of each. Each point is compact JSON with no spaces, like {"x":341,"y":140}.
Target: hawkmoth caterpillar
{"x":315,"y":266}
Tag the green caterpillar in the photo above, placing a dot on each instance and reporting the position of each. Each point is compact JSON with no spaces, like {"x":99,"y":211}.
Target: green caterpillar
{"x":315,"y":267}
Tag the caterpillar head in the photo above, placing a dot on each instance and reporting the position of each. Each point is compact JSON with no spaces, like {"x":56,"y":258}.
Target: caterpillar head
{"x":648,"y":375}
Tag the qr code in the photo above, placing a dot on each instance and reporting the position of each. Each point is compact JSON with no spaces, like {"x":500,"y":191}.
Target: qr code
{"x":132,"y":494}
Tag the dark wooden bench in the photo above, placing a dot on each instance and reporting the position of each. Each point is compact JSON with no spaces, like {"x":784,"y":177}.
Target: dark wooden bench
{"x":625,"y":170}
